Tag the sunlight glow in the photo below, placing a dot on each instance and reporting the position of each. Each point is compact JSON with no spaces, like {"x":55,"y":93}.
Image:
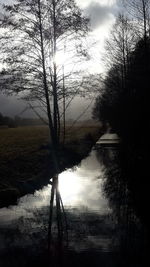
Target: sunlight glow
{"x":69,"y":185}
{"x":60,"y":58}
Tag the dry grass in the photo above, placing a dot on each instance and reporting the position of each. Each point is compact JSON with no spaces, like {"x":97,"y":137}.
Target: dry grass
{"x":22,"y":140}
{"x":25,"y":140}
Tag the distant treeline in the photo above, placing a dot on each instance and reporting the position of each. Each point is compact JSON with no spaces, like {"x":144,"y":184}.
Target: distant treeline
{"x":6,"y":121}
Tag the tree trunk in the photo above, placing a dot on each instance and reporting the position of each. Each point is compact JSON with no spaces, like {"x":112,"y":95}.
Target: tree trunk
{"x":55,"y":99}
{"x":51,"y":128}
{"x":144,"y":20}
{"x":64,"y":108}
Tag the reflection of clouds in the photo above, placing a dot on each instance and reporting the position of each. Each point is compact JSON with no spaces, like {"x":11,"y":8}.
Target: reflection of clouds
{"x":90,"y":192}
{"x":81,"y":187}
{"x":26,"y":206}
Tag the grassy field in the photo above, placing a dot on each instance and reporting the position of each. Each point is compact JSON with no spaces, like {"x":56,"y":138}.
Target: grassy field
{"x":25,"y":162}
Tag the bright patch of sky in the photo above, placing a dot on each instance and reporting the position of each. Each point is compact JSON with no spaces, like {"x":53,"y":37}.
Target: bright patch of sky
{"x":7,"y":1}
{"x":102,"y":16}
{"x":84,"y":3}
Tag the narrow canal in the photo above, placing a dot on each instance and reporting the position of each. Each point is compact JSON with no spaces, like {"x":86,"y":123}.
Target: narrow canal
{"x":103,"y":228}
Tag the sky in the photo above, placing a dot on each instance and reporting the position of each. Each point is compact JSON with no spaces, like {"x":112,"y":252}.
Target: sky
{"x":102,"y":15}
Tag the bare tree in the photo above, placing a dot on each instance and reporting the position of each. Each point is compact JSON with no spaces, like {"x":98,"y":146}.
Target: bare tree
{"x":139,"y":10}
{"x":121,"y":43}
{"x":32,"y":38}
{"x":33,"y":34}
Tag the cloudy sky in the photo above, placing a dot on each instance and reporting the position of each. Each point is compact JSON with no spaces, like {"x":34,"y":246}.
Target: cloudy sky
{"x":102,"y":15}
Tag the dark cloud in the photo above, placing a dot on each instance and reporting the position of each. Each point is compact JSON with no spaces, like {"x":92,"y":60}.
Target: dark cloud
{"x":11,"y":106}
{"x":99,"y":14}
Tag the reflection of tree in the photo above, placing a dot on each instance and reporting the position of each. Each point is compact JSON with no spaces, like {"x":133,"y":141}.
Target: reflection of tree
{"x":130,"y":229}
{"x":55,"y":247}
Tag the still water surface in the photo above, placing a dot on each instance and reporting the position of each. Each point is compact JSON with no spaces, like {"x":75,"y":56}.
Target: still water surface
{"x":103,"y":229}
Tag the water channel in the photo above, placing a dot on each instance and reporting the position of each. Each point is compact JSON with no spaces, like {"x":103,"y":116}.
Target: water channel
{"x":103,"y":227}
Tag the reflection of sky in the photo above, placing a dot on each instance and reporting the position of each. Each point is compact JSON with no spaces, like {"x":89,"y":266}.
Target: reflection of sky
{"x":84,"y":185}
{"x":80,"y":187}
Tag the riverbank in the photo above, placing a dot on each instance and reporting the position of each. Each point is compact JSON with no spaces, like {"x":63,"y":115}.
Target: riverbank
{"x":26,"y":163}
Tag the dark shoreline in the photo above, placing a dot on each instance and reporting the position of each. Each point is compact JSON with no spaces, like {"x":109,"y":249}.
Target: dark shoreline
{"x":69,"y":156}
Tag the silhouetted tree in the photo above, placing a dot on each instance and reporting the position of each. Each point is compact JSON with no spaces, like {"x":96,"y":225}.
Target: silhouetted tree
{"x":121,"y":42}
{"x":7,"y":121}
{"x":33,"y":36}
{"x":140,"y":11}
{"x":127,"y":108}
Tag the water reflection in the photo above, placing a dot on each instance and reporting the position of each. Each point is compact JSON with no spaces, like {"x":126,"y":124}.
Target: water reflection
{"x":86,"y":208}
{"x":81,"y":187}
{"x":130,"y":233}
{"x":102,"y":221}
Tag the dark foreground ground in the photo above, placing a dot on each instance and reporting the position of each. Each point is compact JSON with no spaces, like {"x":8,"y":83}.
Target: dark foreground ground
{"x":25,"y":160}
